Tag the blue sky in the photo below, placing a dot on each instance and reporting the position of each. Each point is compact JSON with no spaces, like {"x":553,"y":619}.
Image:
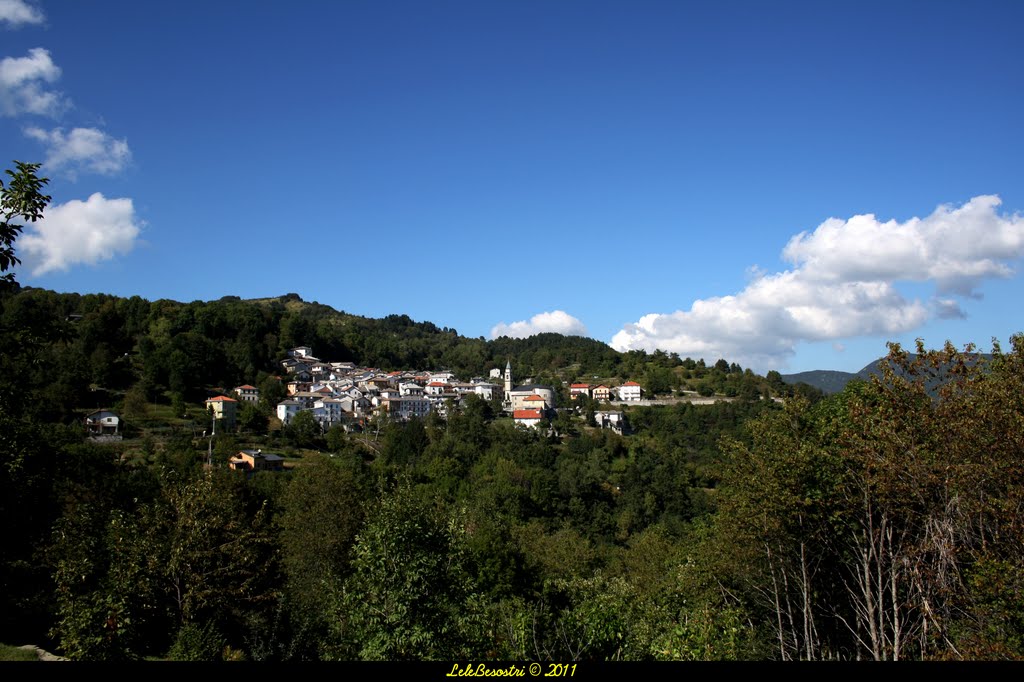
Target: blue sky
{"x":640,"y":172}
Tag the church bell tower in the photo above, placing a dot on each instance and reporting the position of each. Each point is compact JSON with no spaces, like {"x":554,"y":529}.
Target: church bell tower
{"x":508,"y":381}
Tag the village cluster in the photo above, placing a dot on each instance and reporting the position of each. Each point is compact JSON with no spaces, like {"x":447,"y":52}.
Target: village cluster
{"x":339,"y":393}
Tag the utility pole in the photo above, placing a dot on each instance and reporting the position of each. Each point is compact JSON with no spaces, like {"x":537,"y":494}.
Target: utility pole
{"x":213,"y":432}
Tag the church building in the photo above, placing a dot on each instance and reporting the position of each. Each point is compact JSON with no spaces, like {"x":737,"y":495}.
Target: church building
{"x":527,"y":396}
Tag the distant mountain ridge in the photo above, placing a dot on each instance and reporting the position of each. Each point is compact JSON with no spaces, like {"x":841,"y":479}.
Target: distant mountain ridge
{"x":831,"y":381}
{"x":827,"y":381}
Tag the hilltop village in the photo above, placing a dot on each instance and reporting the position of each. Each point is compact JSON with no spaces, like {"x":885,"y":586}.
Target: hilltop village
{"x":342,"y":394}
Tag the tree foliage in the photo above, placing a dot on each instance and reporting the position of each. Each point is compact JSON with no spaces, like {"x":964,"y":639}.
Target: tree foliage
{"x":868,"y":527}
{"x":410,"y":595}
{"x":21,"y":199}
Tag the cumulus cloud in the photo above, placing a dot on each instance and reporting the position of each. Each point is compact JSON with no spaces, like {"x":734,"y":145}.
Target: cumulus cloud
{"x":83,"y":149}
{"x":23,"y":85}
{"x":18,"y":12}
{"x":842,"y":285}
{"x":557,"y":321}
{"x":77,"y":232}
{"x":954,"y":247}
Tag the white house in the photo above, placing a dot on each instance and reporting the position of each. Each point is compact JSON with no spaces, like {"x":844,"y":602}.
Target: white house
{"x":436,"y":388}
{"x":410,"y":388}
{"x":579,"y":389}
{"x":487,"y":391}
{"x":247,"y":393}
{"x":406,"y":407}
{"x":610,"y":420}
{"x":528,"y":418}
{"x":286,"y":409}
{"x":630,"y":391}
{"x":103,"y":423}
{"x":328,"y":411}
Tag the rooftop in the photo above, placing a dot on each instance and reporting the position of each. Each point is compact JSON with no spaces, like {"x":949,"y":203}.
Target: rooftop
{"x":527,"y":414}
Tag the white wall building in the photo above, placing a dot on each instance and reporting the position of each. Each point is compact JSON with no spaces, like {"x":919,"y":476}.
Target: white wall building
{"x":406,"y":407}
{"x":287,"y":409}
{"x":630,"y":391}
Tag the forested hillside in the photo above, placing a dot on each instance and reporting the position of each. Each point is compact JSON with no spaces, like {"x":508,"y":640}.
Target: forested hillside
{"x":81,"y":344}
{"x":882,"y":522}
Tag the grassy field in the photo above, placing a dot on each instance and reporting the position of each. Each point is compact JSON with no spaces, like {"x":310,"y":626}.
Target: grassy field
{"x":13,"y":653}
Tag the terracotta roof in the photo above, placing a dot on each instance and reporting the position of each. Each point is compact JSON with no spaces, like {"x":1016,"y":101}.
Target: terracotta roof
{"x":630,"y":383}
{"x":437,"y":383}
{"x":580,"y":386}
{"x":527,"y":414}
{"x":601,"y":386}
{"x":533,"y":398}
{"x":221,"y":399}
{"x":247,"y":387}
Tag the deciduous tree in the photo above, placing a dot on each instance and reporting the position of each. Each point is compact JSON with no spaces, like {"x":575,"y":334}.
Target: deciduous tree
{"x":21,"y":199}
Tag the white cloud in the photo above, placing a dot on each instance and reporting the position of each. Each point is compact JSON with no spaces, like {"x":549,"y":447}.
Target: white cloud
{"x":77,"y":232}
{"x":18,"y":12}
{"x":954,"y":247}
{"x":22,"y":88}
{"x":842,"y":286}
{"x":557,"y":321}
{"x":83,"y":149}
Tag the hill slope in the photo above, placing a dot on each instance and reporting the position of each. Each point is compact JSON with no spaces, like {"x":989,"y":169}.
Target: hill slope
{"x":832,"y":381}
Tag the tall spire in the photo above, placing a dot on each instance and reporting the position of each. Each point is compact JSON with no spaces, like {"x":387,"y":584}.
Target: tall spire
{"x":508,"y":380}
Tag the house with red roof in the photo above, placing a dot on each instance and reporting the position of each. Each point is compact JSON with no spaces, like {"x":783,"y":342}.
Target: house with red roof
{"x":576,"y":390}
{"x":437,"y":388}
{"x":224,"y":409}
{"x":528,"y":418}
{"x":630,"y":391}
{"x":247,"y":393}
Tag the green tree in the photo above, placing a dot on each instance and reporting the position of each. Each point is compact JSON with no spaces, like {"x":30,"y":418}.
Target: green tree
{"x":658,"y":380}
{"x":322,"y":511}
{"x":777,"y":498}
{"x":214,"y":553}
{"x":410,"y":595}
{"x":272,"y":391}
{"x":303,"y":430}
{"x":21,"y":199}
{"x":134,"y":406}
{"x":874,"y":524}
{"x":106,"y":596}
{"x":252,"y":418}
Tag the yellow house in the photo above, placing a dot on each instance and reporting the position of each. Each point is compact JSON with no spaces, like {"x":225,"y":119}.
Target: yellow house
{"x":256,"y":460}
{"x":224,"y":408}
